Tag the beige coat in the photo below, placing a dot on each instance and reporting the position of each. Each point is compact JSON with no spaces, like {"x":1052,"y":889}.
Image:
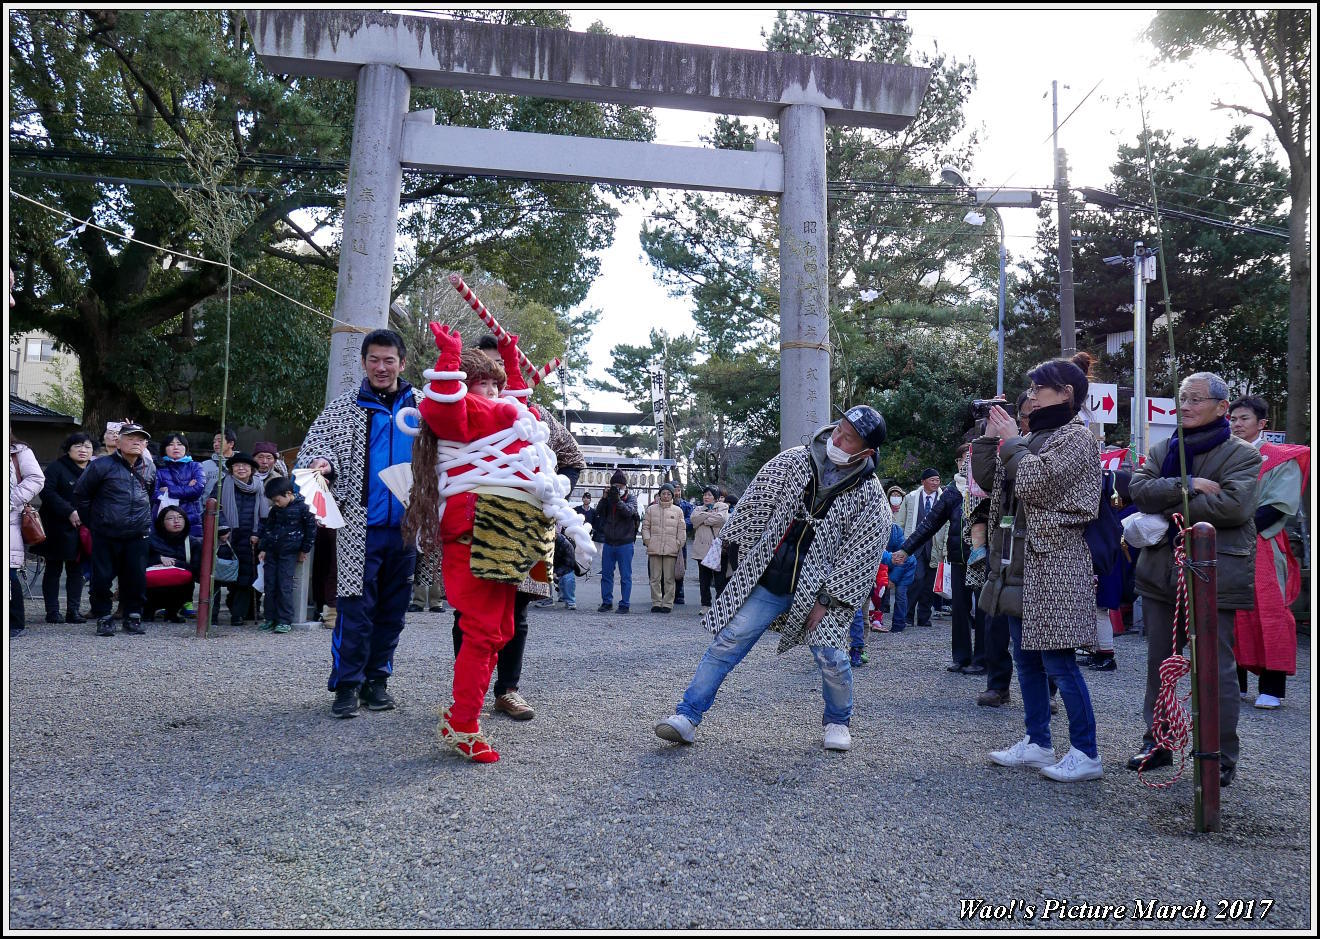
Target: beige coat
{"x":906,"y":519}
{"x":20,"y":494}
{"x":706,"y":524}
{"x":664,"y":532}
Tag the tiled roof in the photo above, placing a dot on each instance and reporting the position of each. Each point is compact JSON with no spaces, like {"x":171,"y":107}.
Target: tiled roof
{"x":25,"y":410}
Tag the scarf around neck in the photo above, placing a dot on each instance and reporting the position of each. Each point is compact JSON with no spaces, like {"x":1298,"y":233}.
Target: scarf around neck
{"x":229,"y":501}
{"x":1197,"y":440}
{"x":1050,"y":418}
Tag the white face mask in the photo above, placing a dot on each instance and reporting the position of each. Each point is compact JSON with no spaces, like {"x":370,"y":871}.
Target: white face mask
{"x":895,"y":501}
{"x":837,"y":455}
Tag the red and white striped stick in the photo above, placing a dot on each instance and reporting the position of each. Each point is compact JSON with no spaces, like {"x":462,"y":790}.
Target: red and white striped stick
{"x":541,"y":374}
{"x":492,"y":324}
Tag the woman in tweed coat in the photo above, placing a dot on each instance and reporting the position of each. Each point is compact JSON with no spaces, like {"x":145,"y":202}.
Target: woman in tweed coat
{"x":1048,"y":492}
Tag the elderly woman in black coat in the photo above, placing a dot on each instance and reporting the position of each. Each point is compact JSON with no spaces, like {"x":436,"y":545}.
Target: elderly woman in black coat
{"x":243,"y":505}
{"x":62,"y":548}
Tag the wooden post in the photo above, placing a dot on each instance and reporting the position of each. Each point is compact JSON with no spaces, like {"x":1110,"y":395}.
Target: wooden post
{"x":208,"y":565}
{"x":1205,"y":649}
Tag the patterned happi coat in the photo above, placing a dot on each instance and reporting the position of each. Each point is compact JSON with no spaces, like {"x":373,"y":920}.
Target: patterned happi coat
{"x":1059,"y":488}
{"x":843,"y":556}
{"x":339,"y":436}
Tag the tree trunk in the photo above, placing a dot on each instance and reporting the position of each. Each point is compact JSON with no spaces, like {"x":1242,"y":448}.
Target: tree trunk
{"x":1299,"y":307}
{"x":104,"y":399}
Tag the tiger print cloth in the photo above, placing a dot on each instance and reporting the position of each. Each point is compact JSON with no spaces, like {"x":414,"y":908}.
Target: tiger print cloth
{"x":567,"y":456}
{"x":509,"y":536}
{"x":842,"y":558}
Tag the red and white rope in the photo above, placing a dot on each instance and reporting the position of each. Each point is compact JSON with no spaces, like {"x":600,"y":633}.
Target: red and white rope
{"x":1172,"y":720}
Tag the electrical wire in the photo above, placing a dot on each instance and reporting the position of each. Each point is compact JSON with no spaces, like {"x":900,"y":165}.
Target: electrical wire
{"x":181,"y":254}
{"x":1221,"y":179}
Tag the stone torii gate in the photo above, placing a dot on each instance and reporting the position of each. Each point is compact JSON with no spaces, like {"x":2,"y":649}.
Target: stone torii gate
{"x":387,"y":54}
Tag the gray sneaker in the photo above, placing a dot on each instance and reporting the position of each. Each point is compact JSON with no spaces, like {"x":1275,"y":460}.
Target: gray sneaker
{"x":676,"y":729}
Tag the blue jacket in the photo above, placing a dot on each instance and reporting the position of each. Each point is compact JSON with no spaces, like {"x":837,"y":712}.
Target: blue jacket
{"x":903,"y":574}
{"x":386,"y":446}
{"x":186,"y":482}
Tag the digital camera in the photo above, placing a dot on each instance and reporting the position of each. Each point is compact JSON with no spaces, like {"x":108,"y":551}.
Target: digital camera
{"x":981,"y":408}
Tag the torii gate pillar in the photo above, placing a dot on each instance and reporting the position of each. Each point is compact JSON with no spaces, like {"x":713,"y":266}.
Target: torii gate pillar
{"x":371,"y":220}
{"x":804,"y":300}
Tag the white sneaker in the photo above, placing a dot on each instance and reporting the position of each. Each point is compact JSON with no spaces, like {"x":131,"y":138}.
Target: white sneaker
{"x":1267,"y":702}
{"x":676,"y":729}
{"x":1075,"y":766}
{"x":837,"y":737}
{"x":1023,"y":753}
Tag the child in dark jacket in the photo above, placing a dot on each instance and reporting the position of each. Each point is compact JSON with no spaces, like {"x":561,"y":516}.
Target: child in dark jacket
{"x":287,"y":535}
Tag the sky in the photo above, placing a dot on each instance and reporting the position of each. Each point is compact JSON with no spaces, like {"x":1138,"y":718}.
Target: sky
{"x":1018,"y":53}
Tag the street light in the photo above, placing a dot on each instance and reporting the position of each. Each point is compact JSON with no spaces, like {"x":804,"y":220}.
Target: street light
{"x":989,"y":199}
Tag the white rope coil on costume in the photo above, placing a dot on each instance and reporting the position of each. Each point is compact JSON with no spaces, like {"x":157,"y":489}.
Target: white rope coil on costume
{"x":531,"y":469}
{"x":430,"y":374}
{"x":516,"y":393}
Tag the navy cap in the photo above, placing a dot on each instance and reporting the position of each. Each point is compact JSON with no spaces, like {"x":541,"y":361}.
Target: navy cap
{"x":930,"y":472}
{"x":868,"y":423}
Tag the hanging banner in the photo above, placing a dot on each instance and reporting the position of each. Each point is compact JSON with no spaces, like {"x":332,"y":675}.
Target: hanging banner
{"x":658,"y":405}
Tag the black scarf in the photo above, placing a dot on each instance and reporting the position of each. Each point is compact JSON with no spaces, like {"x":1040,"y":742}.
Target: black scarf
{"x":1050,"y":418}
{"x":1196,"y":440}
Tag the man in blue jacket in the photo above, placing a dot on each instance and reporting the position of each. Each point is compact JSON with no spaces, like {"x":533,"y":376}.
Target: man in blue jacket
{"x":355,"y":438}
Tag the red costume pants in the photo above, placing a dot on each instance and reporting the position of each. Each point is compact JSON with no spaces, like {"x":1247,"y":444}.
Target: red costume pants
{"x":486,"y":609}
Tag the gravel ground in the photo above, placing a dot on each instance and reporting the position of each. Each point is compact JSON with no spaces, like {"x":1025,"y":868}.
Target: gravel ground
{"x":165,"y":782}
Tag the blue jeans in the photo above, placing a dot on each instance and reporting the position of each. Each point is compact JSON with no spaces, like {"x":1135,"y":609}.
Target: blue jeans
{"x":622,"y":555}
{"x":857,"y":631}
{"x":735,"y":640}
{"x":568,"y":588}
{"x":1035,"y":670}
{"x":899,"y":622}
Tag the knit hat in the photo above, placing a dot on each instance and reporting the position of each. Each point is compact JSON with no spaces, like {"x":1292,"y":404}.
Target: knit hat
{"x":618,"y":479}
{"x":669,"y":486}
{"x":265,"y":446}
{"x":928,"y":472}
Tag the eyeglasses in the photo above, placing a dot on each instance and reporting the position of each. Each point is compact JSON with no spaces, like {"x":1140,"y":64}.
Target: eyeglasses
{"x":1194,"y":400}
{"x":1035,"y":390}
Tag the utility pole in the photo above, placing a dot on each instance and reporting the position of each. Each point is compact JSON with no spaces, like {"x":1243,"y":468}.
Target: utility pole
{"x":1143,"y":264}
{"x":1067,"y":321}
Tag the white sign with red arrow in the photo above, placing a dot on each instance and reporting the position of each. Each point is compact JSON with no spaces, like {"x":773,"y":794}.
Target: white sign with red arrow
{"x":1161,"y":411}
{"x":1102,"y":402}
